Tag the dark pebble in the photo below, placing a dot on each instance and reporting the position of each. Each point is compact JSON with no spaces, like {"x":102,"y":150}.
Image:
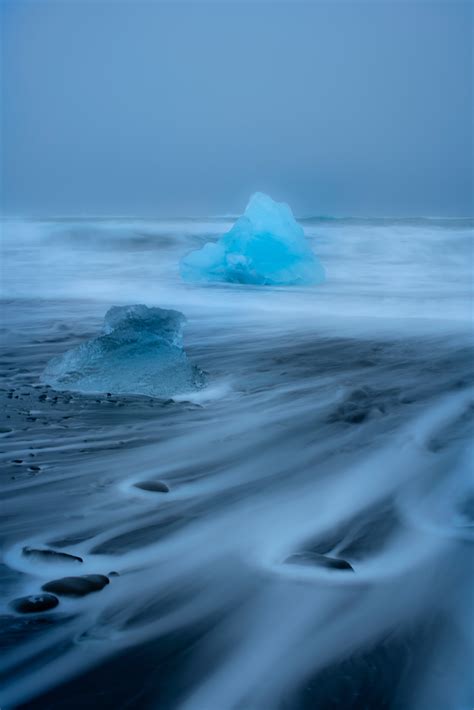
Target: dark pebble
{"x":35,"y":603}
{"x":313,"y":558}
{"x":34,"y":468}
{"x":50,"y":555}
{"x":77,"y":586}
{"x":5,"y":430}
{"x":154,"y":486}
{"x":17,"y":461}
{"x":355,"y":418}
{"x":114,"y":574}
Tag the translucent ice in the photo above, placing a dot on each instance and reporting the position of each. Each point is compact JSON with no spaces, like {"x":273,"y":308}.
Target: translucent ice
{"x":140,"y":352}
{"x":265,"y":246}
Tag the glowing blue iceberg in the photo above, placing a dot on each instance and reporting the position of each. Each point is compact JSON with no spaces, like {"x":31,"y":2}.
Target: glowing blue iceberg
{"x":265,"y":246}
{"x":140,"y":352}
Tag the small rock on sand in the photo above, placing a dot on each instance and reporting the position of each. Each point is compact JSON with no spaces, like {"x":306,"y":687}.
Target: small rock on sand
{"x":153,"y":486}
{"x":77,"y":586}
{"x":313,"y":558}
{"x":34,"y":604}
{"x":50,"y":555}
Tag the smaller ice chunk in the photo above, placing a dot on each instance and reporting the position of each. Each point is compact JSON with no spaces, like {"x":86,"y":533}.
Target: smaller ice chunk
{"x":140,"y":352}
{"x":265,"y":246}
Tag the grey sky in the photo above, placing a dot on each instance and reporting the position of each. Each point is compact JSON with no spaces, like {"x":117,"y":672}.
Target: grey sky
{"x":174,"y":108}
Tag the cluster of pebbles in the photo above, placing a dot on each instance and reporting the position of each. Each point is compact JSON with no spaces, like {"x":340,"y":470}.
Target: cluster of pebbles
{"x":70,"y":586}
{"x":28,"y":404}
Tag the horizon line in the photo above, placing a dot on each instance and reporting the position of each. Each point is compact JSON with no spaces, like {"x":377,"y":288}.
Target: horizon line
{"x":225,"y":216}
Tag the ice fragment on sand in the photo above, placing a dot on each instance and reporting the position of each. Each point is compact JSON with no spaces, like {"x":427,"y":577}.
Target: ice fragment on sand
{"x":140,"y":352}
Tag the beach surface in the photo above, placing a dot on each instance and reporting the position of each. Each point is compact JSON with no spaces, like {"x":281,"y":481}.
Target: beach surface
{"x":297,"y":533}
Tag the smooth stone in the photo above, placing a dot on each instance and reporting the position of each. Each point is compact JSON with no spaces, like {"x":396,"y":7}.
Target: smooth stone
{"x":153,"y":486}
{"x":114,"y":574}
{"x":5,"y":430}
{"x":34,"y":603}
{"x":50,"y":555}
{"x":313,"y":558}
{"x":77,"y":586}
